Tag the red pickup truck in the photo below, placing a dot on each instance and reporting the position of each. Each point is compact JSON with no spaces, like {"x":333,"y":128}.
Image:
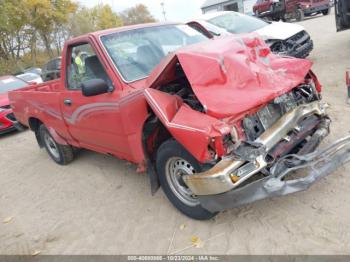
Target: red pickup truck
{"x":217,"y":123}
{"x":290,"y":9}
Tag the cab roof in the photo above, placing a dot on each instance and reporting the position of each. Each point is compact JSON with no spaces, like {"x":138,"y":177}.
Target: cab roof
{"x":100,"y":33}
{"x":130,"y":27}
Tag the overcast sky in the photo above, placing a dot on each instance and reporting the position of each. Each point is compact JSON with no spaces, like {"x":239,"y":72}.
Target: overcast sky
{"x":176,"y":10}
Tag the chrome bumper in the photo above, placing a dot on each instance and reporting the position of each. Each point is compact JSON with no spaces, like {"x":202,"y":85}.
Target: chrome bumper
{"x":315,"y":166}
{"x":219,"y":179}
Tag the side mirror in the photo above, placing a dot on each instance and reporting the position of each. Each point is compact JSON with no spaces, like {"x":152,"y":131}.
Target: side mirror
{"x":95,"y":87}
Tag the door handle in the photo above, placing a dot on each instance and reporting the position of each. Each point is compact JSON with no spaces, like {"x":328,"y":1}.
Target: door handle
{"x":67,"y":102}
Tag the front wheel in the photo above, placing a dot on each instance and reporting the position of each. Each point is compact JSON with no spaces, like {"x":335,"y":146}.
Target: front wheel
{"x":173,"y":162}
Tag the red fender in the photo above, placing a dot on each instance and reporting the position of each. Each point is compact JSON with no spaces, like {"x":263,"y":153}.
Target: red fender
{"x":58,"y":139}
{"x":193,"y":129}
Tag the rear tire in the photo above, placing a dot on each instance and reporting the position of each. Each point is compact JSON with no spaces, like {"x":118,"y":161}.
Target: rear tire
{"x":299,"y":15}
{"x":61,"y":154}
{"x":325,"y":12}
{"x":173,"y":161}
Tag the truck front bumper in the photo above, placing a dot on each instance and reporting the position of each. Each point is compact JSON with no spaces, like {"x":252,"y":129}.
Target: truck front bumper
{"x":317,"y":9}
{"x":320,"y":164}
{"x":227,"y":185}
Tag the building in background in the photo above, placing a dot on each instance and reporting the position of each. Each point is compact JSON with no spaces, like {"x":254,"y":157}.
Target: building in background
{"x":242,"y":6}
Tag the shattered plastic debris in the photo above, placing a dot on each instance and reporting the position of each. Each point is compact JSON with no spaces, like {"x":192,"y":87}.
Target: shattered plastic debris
{"x":36,"y":252}
{"x":197,"y":242}
{"x":7,"y":220}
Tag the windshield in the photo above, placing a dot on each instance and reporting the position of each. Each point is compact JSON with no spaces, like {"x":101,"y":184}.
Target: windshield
{"x":9,"y":84}
{"x":238,"y":23}
{"x":137,"y":52}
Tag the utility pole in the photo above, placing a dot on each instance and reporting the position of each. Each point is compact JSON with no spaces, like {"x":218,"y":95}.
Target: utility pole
{"x":163,"y":10}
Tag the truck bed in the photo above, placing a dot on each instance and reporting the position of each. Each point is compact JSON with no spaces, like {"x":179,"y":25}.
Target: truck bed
{"x":36,"y":100}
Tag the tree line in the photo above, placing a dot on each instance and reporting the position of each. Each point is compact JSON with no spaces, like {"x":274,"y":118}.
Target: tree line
{"x":33,"y":31}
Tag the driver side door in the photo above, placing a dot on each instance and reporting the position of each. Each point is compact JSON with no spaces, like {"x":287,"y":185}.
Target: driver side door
{"x":95,"y":122}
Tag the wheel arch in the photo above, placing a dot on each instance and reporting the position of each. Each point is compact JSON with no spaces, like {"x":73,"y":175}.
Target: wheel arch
{"x":34,"y":124}
{"x":154,"y":133}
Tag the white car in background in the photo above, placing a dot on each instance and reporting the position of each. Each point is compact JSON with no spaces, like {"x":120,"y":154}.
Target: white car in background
{"x":31,"y":78}
{"x":283,"y":38}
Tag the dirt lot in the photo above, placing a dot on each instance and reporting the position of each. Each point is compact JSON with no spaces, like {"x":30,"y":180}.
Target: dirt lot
{"x":99,"y":205}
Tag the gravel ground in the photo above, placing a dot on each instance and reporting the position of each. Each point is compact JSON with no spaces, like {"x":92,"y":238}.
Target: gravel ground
{"x":100,"y":205}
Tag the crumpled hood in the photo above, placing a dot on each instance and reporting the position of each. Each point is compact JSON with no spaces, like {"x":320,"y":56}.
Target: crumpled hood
{"x":4,"y":100}
{"x":233,"y":75}
{"x":279,"y":31}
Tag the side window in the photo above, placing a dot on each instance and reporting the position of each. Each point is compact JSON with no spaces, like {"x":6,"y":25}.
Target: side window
{"x":84,"y":65}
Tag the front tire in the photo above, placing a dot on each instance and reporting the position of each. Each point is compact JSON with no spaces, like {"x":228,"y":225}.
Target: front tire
{"x":61,"y":154}
{"x":173,"y":161}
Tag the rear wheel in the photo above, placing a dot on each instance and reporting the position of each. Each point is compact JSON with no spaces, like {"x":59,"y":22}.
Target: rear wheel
{"x":325,"y":12}
{"x":299,"y":15}
{"x":61,"y":154}
{"x":174,"y":162}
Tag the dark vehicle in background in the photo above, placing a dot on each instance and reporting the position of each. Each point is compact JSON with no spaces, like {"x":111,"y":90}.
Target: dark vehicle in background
{"x":8,"y":121}
{"x":290,"y":9}
{"x":342,"y":14}
{"x":51,"y":70}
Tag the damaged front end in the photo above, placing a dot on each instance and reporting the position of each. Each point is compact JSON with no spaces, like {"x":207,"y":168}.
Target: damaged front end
{"x":299,"y":45}
{"x":250,"y":158}
{"x":252,"y":116}
{"x":277,"y":183}
{"x":262,"y":168}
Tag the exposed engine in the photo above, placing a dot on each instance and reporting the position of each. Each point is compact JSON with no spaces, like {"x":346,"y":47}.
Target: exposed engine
{"x":182,"y":88}
{"x":255,"y":125}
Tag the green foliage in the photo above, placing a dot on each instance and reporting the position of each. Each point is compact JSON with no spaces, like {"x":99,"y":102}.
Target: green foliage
{"x":32,"y":31}
{"x":87,"y":20}
{"x":137,"y":15}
